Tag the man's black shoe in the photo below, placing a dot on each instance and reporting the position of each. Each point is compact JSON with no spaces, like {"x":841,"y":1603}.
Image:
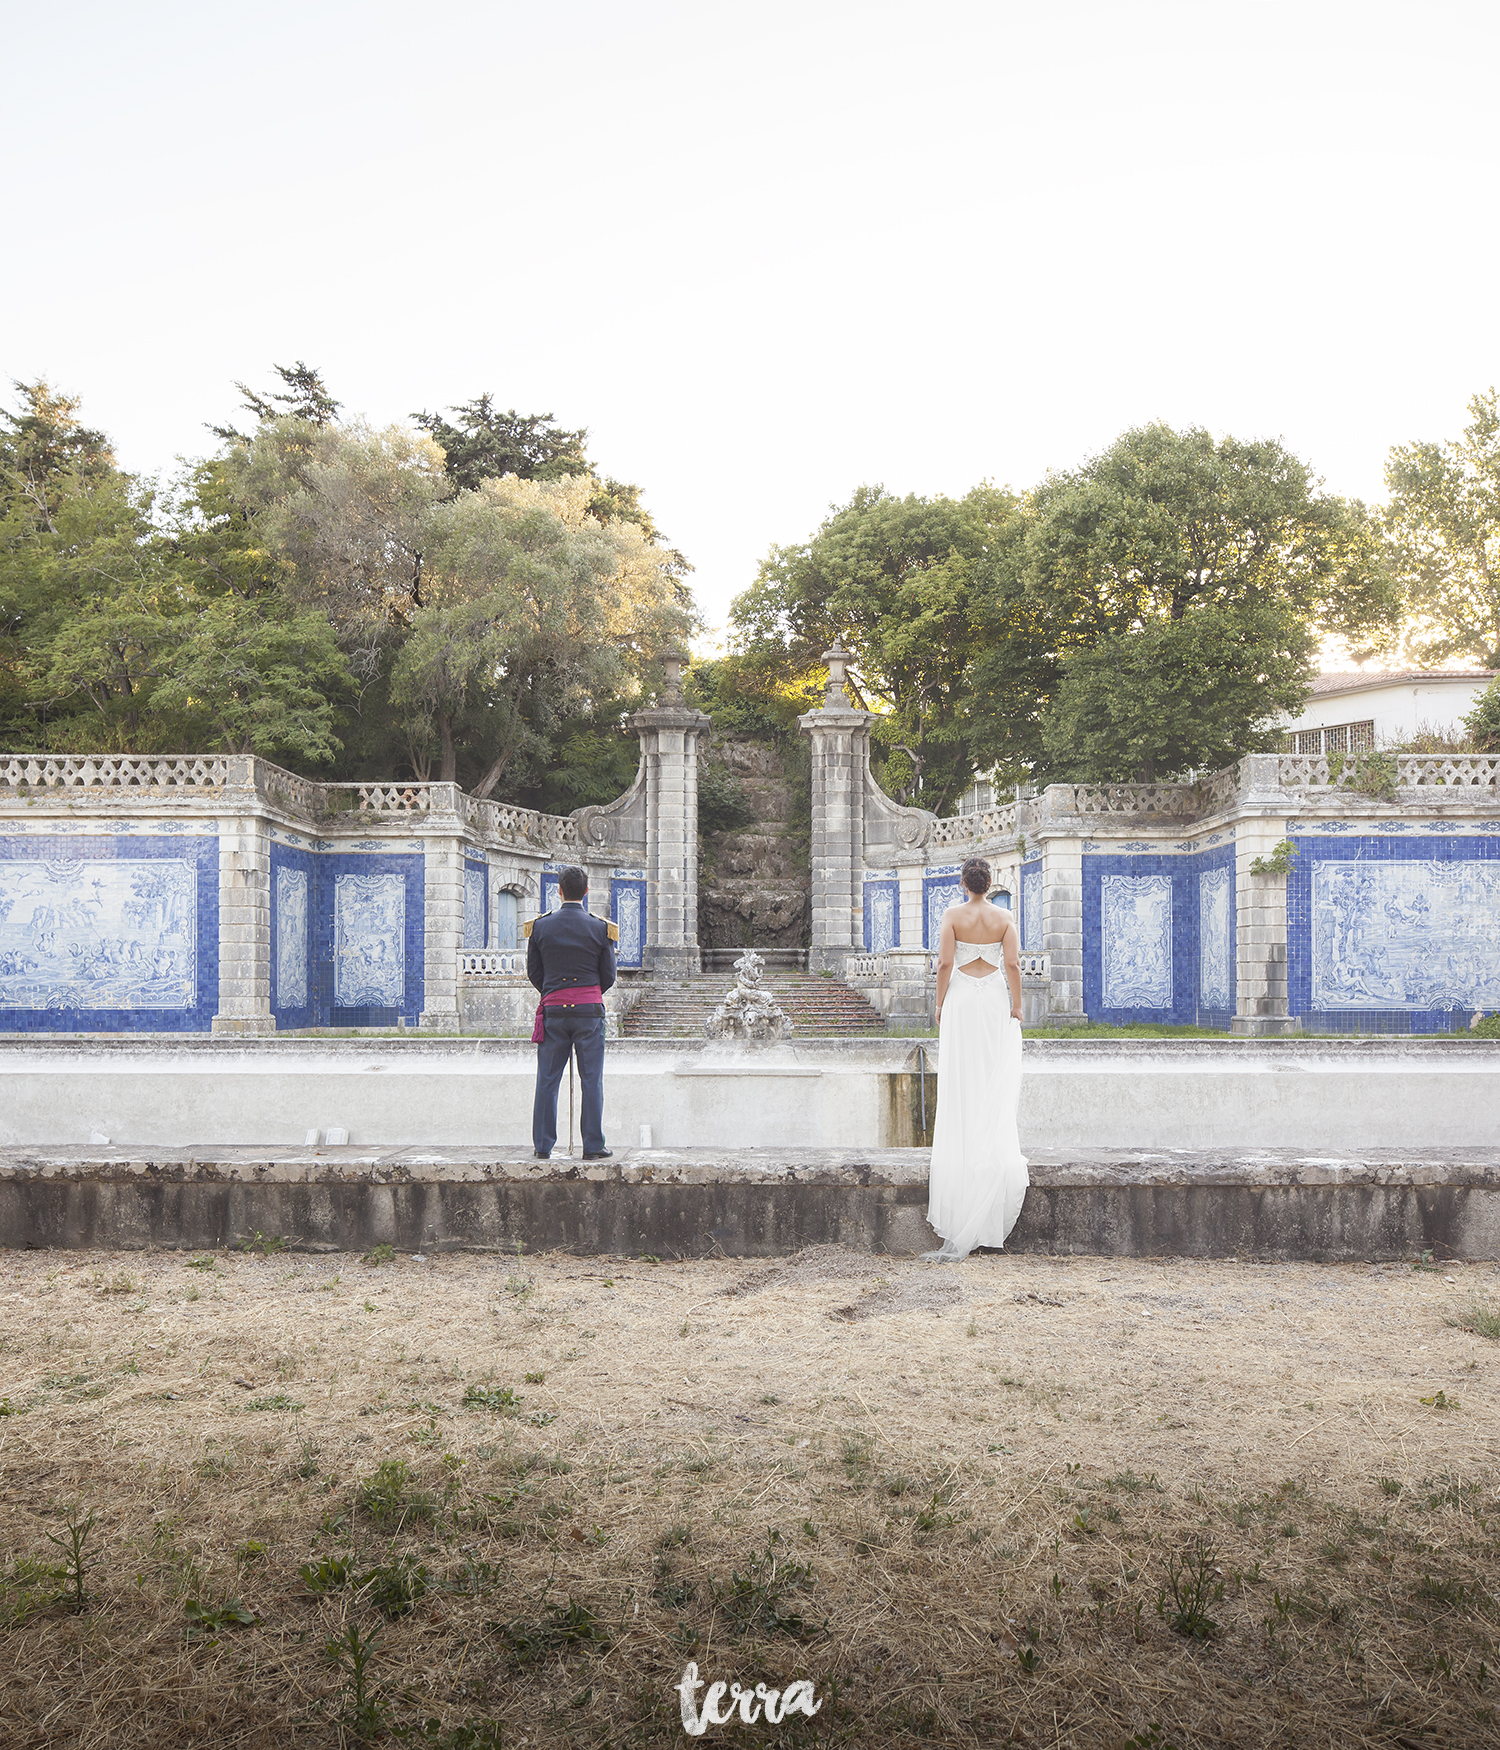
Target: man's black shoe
{"x":604,"y":1154}
{"x":540,"y":1156}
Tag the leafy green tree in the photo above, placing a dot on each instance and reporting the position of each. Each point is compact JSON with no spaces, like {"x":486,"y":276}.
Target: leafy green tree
{"x":593,"y":759}
{"x":1443,"y":522}
{"x":304,"y":397}
{"x":890,"y":578}
{"x":1483,"y":722}
{"x":1195,"y":691}
{"x":1146,"y":588}
{"x":256,"y":676}
{"x":348,"y":511}
{"x":114,"y":637}
{"x":46,"y":451}
{"x":756,"y":701}
{"x":481,"y":443}
{"x":535,"y":610}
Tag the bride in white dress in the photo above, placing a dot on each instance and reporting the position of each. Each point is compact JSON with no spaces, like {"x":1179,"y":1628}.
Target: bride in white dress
{"x":978,"y":1176}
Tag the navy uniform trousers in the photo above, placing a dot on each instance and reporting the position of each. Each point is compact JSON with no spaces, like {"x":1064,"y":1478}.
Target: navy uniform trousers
{"x":580,"y":1029}
{"x":569,"y":950}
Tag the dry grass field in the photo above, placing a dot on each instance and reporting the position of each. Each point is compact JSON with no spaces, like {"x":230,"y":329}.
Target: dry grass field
{"x":280,"y":1501}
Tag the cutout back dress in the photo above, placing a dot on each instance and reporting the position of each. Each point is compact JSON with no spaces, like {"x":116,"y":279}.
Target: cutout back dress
{"x":978,"y":1177}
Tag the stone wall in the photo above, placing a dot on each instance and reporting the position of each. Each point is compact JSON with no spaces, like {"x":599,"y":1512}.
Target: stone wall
{"x":185,"y":895}
{"x":1145,"y":903}
{"x":754,"y":882}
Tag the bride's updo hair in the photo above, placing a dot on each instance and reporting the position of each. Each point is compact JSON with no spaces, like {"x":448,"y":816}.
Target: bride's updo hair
{"x":976,"y":876}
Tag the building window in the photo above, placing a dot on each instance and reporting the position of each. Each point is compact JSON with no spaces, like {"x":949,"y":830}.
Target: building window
{"x":1338,"y":738}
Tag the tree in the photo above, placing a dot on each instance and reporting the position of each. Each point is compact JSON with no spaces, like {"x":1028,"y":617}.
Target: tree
{"x":45,"y":448}
{"x":1196,"y":691}
{"x":1443,"y":523}
{"x":1483,"y":722}
{"x":306,"y":398}
{"x":890,"y":578}
{"x":1144,"y":587}
{"x":534,"y":610}
{"x":255,"y":676}
{"x":114,"y":636}
{"x":47,"y":456}
{"x":483,"y":444}
{"x":348,"y":511}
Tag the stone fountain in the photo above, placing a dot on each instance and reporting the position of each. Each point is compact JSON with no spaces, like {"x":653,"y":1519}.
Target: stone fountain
{"x":749,"y":1011}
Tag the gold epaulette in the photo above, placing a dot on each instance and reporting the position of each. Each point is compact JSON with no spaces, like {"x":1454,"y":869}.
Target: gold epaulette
{"x":526,"y":929}
{"x":614,"y":931}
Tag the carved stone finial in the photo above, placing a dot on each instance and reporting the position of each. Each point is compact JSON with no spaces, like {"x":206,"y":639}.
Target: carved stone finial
{"x":672,"y":664}
{"x":838,"y":660}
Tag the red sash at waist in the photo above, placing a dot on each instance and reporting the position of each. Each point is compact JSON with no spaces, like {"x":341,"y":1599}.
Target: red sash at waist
{"x":578,"y":993}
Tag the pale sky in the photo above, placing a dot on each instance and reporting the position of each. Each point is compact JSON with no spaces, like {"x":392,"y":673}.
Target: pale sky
{"x":767,"y":253}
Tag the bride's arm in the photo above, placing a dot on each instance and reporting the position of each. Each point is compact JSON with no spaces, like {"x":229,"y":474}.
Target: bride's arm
{"x":945,"y":962}
{"x":1013,"y":967}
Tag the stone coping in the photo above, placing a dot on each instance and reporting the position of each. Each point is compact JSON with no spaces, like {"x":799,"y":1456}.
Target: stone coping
{"x":877,"y":1051}
{"x":900,"y":1169}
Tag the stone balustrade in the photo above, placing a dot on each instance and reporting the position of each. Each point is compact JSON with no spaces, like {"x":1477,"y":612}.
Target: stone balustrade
{"x":503,"y":820}
{"x":963,"y":829}
{"x":502,"y":963}
{"x":106,"y":772}
{"x":1413,"y":771}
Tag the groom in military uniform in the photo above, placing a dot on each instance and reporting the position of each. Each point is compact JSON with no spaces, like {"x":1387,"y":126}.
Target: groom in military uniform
{"x":570,"y":958}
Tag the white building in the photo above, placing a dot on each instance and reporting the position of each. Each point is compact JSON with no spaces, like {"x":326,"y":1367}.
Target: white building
{"x":1379,"y":707}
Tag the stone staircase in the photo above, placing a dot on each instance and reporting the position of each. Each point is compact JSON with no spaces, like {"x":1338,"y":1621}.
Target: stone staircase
{"x":820,"y":1008}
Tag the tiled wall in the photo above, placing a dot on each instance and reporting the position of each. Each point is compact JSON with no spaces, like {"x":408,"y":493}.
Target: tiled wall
{"x":1159,"y":934}
{"x":1031,"y":906}
{"x":882,"y":906}
{"x":476,"y":905}
{"x":1393,"y":932}
{"x":106,"y":931}
{"x":294,"y":874}
{"x":941,"y":888}
{"x":358,"y":917}
{"x":627,"y":908}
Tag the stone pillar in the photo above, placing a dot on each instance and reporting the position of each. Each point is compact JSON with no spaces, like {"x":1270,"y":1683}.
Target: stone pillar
{"x":912,"y":988}
{"x":670,"y":732}
{"x":1057,"y":834}
{"x":1062,"y":926}
{"x":1260,"y":904}
{"x":840,"y":737}
{"x":244,"y":915}
{"x":442,"y":908}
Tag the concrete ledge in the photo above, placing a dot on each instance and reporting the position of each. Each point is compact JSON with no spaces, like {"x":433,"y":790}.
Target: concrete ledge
{"x":1084,"y":1095}
{"x":748,"y":1202}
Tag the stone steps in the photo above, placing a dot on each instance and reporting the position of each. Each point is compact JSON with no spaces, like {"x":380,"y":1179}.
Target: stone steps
{"x":819,"y":1007}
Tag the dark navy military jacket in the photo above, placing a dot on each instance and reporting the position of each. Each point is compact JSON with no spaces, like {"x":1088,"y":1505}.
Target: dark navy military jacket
{"x":567,"y":948}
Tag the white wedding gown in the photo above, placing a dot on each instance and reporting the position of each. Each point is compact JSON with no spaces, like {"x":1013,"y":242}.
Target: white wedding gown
{"x":978,"y":1177}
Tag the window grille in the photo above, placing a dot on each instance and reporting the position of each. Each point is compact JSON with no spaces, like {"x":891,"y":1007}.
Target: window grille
{"x":1337,"y":738}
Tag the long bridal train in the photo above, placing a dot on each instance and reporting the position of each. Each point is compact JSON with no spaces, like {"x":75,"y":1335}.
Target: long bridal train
{"x":978,"y":1177}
